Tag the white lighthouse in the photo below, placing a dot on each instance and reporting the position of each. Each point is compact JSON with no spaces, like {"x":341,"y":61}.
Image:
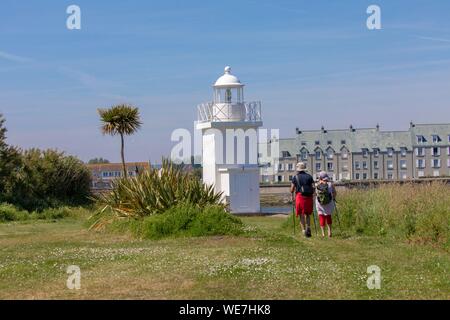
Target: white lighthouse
{"x":230,"y":144}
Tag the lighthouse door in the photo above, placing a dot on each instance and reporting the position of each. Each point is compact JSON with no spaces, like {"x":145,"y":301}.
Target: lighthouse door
{"x":240,"y":192}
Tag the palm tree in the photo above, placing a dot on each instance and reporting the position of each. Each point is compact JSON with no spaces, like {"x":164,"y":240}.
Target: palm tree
{"x":121,"y":119}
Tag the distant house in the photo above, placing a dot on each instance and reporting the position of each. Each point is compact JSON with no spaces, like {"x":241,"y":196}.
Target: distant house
{"x":103,"y":173}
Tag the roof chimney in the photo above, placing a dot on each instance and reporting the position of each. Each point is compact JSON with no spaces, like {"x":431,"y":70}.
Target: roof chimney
{"x":411,"y":125}
{"x":323,"y":129}
{"x":378,"y":127}
{"x":351,"y":128}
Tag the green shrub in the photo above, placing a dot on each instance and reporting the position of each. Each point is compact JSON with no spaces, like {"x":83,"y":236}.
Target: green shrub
{"x":182,"y":220}
{"x":9,"y":213}
{"x":47,"y":179}
{"x":418,"y":212}
{"x":154,"y":192}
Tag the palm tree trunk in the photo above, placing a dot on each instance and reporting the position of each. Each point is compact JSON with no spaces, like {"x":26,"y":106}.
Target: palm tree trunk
{"x":122,"y":154}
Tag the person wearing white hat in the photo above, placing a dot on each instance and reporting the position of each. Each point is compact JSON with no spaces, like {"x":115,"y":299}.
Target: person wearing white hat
{"x":326,"y":194}
{"x":303,"y":187}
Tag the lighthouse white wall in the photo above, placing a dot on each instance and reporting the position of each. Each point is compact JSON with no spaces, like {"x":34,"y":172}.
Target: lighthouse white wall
{"x":230,"y":143}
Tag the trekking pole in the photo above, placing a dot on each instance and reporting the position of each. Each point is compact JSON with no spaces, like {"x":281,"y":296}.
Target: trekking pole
{"x":314,"y":215}
{"x":293,"y":210}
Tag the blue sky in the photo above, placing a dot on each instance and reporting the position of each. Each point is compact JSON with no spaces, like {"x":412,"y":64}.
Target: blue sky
{"x":311,"y":63}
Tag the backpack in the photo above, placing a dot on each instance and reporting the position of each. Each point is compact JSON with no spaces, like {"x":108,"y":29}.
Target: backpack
{"x":324,"y":195}
{"x":304,"y":186}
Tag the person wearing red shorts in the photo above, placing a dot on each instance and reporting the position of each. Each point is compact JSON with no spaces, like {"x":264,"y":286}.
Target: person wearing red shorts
{"x":325,"y":203}
{"x":303,"y":187}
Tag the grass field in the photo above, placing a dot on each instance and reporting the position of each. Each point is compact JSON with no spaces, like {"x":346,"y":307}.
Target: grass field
{"x":269,"y":263}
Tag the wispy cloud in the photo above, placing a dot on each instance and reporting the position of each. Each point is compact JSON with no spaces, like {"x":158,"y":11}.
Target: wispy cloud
{"x":13,"y":57}
{"x":434,"y":39}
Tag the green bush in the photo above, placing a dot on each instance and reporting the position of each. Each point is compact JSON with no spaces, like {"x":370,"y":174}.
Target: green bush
{"x":155,"y":192}
{"x":47,"y":179}
{"x":9,"y":213}
{"x":418,"y":212}
{"x":182,"y":220}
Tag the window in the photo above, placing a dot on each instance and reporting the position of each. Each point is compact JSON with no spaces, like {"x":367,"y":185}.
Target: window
{"x":304,"y":155}
{"x":421,"y":174}
{"x":375,"y":164}
{"x":436,"y":173}
{"x":390,"y":176}
{"x":436,"y":151}
{"x":436,"y":138}
{"x":357,"y":176}
{"x":318,"y":166}
{"x":344,"y":154}
{"x":403,"y":164}
{"x":449,"y":138}
{"x":420,"y":152}
{"x":390,"y":152}
{"x":390,"y":165}
{"x":343,"y":141}
{"x":330,"y":166}
{"x":403,"y":151}
{"x":404,"y":176}
{"x":280,"y":178}
{"x":448,"y":163}
{"x":330,"y":154}
{"x":280,"y":167}
{"x":318,"y":155}
{"x":357,"y":165}
{"x":285,"y":154}
{"x":364,"y":176}
{"x":364,"y":164}
{"x":448,"y":151}
{"x":420,"y":163}
{"x":290,"y":167}
{"x":345,"y":167}
{"x":104,"y":174}
{"x":329,"y":142}
{"x":376,"y":152}
{"x":421,"y":139}
{"x":365,"y":153}
{"x":375,"y":175}
{"x":436,"y":163}
{"x":290,"y":178}
{"x":317,"y":142}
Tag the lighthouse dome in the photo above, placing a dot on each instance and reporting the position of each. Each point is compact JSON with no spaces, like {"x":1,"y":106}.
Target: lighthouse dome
{"x":228,"y":80}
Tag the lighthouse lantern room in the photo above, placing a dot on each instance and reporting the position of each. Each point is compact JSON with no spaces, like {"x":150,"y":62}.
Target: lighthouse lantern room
{"x":230,"y":144}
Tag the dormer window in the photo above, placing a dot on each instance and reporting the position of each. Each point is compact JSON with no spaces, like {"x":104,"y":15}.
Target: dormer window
{"x":376,"y":152}
{"x":365,"y":152}
{"x":390,"y":152}
{"x":330,"y":154}
{"x":436,"y":138}
{"x":421,"y":139}
{"x":403,"y":151}
{"x":317,"y":142}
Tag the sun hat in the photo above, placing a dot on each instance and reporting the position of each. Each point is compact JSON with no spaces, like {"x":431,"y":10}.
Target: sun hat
{"x":301,"y":166}
{"x":324,"y":176}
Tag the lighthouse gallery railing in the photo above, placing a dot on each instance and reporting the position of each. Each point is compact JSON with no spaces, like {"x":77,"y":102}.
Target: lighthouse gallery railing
{"x":211,"y":111}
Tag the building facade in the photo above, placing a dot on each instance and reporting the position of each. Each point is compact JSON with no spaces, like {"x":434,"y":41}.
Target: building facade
{"x":362,"y":154}
{"x":103,"y":174}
